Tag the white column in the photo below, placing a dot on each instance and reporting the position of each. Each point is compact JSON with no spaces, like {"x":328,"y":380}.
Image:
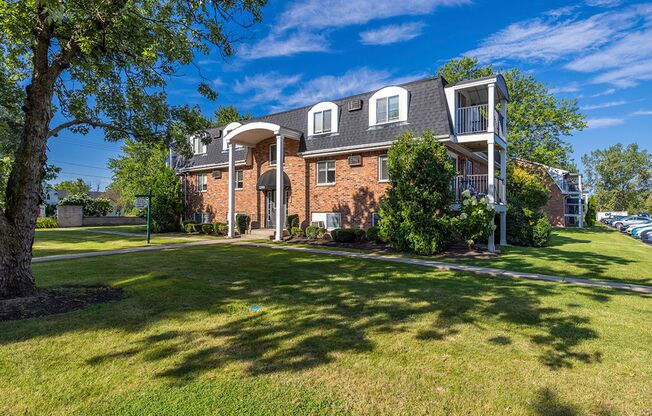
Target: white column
{"x":581,"y":199}
{"x":503,"y":112}
{"x":280,"y":187}
{"x":503,"y":174}
{"x":231,"y":190}
{"x":503,"y":228}
{"x":491,"y":107}
{"x":491,"y":171}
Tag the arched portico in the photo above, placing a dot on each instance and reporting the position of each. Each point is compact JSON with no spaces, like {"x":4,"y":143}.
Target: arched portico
{"x":250,"y":135}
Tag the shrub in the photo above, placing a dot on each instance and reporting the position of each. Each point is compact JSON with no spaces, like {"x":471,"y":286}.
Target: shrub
{"x":297,"y":231}
{"x":591,"y":212}
{"x":184,"y":222}
{"x":98,"y":207}
{"x":360,"y":234}
{"x":190,"y":227}
{"x":221,"y":228}
{"x":541,"y":231}
{"x":321,"y":232}
{"x":476,"y":219}
{"x":46,"y":222}
{"x":311,"y":232}
{"x":167,"y":201}
{"x":373,"y":234}
{"x":344,"y":235}
{"x":207,"y":228}
{"x":526,"y":187}
{"x":291,"y":222}
{"x":414,"y":210}
{"x":242,"y":222}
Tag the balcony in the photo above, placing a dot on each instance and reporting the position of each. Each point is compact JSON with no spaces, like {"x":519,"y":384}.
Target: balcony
{"x":475,"y":119}
{"x":479,"y":184}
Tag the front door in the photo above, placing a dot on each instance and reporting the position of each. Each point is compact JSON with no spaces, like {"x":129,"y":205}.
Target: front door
{"x":270,"y":208}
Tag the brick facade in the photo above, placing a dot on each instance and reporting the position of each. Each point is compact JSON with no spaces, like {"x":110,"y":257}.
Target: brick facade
{"x":355,"y":194}
{"x":554,"y":208}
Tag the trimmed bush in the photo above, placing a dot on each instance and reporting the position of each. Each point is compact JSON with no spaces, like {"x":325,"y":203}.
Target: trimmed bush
{"x":373,"y":234}
{"x":591,"y":212}
{"x":98,"y":207}
{"x":190,"y":227}
{"x":344,"y":235}
{"x":207,"y":228}
{"x":297,"y":231}
{"x":360,"y":234}
{"x":221,"y":228}
{"x":47,"y":222}
{"x":321,"y":232}
{"x":242,"y":222}
{"x":291,"y":222}
{"x":184,"y":222}
{"x":541,"y":232}
{"x":311,"y":232}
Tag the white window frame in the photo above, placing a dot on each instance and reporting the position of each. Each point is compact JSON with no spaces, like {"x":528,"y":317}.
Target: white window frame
{"x":321,"y":108}
{"x":375,"y":218}
{"x":198,"y":147}
{"x":385,"y":94}
{"x":380,"y":178}
{"x":204,"y":186}
{"x":272,"y":153}
{"x":321,"y":114}
{"x":323,"y":217}
{"x":334,"y":169}
{"x":238,"y":178}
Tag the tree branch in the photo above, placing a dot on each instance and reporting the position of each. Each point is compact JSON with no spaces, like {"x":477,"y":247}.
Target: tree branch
{"x":93,"y":123}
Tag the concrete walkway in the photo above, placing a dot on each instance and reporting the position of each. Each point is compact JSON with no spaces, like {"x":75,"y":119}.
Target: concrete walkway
{"x":457,"y":267}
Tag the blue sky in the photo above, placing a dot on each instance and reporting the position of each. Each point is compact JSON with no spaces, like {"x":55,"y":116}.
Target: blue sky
{"x":599,"y":51}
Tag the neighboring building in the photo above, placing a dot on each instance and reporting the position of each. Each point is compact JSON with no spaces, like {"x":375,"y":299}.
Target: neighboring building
{"x":567,"y":202}
{"x":333,"y":164}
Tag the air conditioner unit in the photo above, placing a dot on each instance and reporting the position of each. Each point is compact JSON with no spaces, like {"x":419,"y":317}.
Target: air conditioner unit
{"x":355,"y":105}
{"x":217,"y":174}
{"x":355,"y":160}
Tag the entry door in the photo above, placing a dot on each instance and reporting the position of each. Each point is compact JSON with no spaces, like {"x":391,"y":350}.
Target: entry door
{"x":270,"y":208}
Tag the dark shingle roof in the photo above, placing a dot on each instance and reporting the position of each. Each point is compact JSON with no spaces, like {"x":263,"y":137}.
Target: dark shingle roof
{"x":427,"y":110}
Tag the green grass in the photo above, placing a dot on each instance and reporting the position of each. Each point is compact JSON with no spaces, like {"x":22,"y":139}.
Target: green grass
{"x":598,"y":253}
{"x":49,"y":242}
{"x":334,"y":336}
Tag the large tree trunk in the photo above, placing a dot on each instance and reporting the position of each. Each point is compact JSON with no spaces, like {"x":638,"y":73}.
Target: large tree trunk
{"x":23,"y":194}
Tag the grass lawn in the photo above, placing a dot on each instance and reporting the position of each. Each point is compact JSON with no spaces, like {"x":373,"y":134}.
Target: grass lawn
{"x":599,"y":253}
{"x":334,"y":336}
{"x":50,"y":242}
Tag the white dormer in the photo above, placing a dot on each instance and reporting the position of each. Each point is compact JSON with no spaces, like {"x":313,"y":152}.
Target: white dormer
{"x":323,"y":118}
{"x":198,"y":147}
{"x":389,"y":105}
{"x":228,"y":129}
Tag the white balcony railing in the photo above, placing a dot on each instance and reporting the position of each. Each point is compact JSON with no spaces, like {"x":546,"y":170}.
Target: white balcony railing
{"x":475,"y":119}
{"x":479,"y":184}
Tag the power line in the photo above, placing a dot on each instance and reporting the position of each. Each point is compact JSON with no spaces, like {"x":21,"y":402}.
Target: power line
{"x":77,"y":164}
{"x":88,"y":145}
{"x":85,"y":174}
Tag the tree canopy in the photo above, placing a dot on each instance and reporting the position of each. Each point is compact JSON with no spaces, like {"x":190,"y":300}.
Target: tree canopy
{"x":537,"y":121}
{"x":226,"y":114}
{"x":76,"y":187}
{"x":620,"y":177}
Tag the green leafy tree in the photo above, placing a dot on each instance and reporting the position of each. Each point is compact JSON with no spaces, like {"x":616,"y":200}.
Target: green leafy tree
{"x":414,"y":211}
{"x":620,"y":177}
{"x":167,"y":202}
{"x":527,"y":194}
{"x":77,"y":186}
{"x":536,"y":120}
{"x":106,"y":65}
{"x":226,"y":114}
{"x":97,"y":207}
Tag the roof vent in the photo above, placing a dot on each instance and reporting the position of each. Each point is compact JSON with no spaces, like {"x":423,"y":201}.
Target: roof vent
{"x":355,"y":160}
{"x":355,"y":105}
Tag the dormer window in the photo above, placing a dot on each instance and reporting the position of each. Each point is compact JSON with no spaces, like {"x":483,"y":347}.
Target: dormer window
{"x":387,"y":109}
{"x":388,"y":105}
{"x":198,"y":147}
{"x":323,"y":118}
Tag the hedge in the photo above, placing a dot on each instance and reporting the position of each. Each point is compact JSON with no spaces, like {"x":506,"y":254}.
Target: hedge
{"x":46,"y":222}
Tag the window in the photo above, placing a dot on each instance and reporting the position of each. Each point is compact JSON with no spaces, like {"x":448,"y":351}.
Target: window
{"x":326,"y":172}
{"x":387,"y":109}
{"x":198,"y":147}
{"x":239,"y":181}
{"x":202,"y":182}
{"x":330,"y":220}
{"x":383,"y":173}
{"x":375,"y":220}
{"x":469,"y":167}
{"x":202,"y":217}
{"x":322,"y":121}
{"x":272,"y":154}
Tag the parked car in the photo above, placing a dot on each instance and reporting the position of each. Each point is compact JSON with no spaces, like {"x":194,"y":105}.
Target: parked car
{"x":647,"y":237}
{"x":636,"y":231}
{"x":611,"y":220}
{"x":632,"y":219}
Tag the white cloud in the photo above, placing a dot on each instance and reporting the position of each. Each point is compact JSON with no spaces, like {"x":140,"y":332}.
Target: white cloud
{"x":608,"y":91}
{"x":596,"y":123}
{"x":603,"y":105}
{"x":266,"y":87}
{"x":603,"y":3}
{"x":570,"y":88}
{"x":275,"y":45}
{"x":321,"y":14}
{"x":280,"y":92}
{"x":392,"y":34}
{"x":642,"y":113}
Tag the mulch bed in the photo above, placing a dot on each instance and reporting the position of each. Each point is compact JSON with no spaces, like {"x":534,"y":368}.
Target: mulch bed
{"x":60,"y":300}
{"x":457,"y":250}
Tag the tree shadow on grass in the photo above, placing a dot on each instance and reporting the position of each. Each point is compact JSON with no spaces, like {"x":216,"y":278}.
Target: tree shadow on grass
{"x":314,"y":307}
{"x":548,"y":403}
